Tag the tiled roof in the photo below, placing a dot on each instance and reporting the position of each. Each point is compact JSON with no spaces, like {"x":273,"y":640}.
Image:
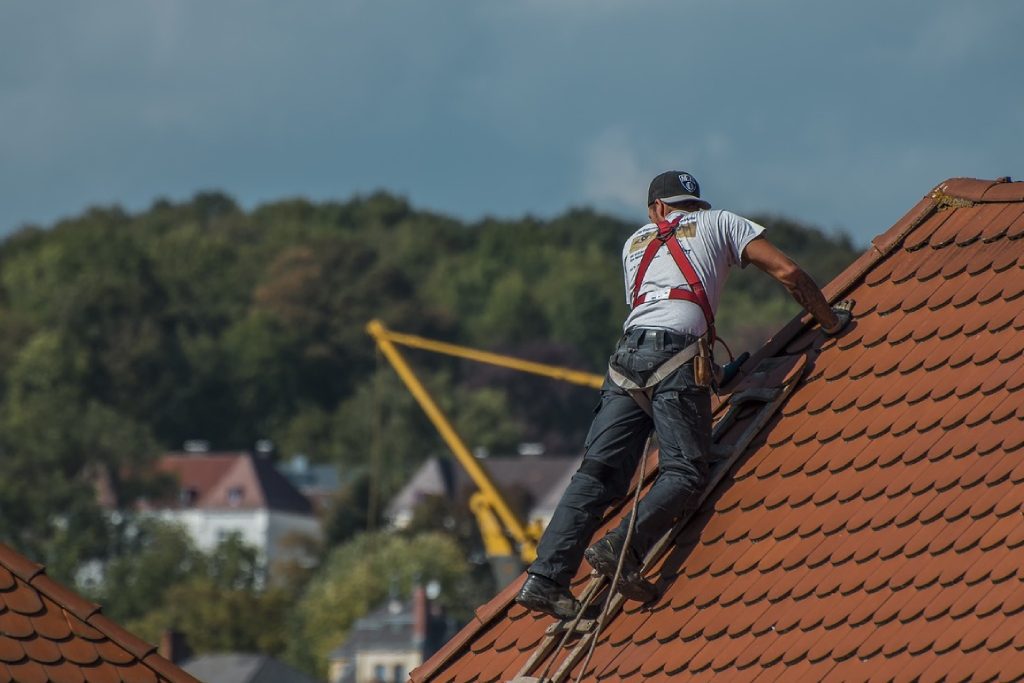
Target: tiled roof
{"x":874,"y":528}
{"x":48,"y":633}
{"x":232,"y":480}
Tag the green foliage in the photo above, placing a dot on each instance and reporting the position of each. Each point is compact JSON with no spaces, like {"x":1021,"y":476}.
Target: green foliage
{"x":197,"y":319}
{"x":216,"y":619}
{"x":121,"y":335}
{"x":360,"y":574}
{"x":153,"y":556}
{"x":159,"y":580}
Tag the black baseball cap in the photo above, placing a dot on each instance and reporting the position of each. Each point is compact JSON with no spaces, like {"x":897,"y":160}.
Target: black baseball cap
{"x":673,"y":187}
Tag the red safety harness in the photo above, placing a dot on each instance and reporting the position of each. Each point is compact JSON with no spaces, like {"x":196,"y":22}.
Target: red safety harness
{"x":696,"y":294}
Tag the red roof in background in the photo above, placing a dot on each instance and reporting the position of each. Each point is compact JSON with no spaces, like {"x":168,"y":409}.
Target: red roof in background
{"x":874,"y":528}
{"x":48,"y":633}
{"x":231,"y":480}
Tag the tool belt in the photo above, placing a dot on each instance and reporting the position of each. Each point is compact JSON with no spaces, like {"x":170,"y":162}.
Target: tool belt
{"x":640,"y":382}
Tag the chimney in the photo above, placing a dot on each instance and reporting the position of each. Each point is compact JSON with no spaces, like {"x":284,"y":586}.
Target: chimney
{"x":419,"y":616}
{"x":174,"y":646}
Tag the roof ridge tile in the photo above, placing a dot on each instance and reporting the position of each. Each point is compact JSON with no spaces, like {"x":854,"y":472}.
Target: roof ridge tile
{"x":65,"y":598}
{"x":19,"y":565}
{"x":977,"y":190}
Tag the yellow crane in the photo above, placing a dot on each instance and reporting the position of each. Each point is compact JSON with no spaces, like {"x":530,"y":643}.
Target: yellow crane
{"x":499,"y":525}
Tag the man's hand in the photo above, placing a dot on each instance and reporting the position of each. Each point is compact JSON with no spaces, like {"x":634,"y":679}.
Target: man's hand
{"x":844,"y":314}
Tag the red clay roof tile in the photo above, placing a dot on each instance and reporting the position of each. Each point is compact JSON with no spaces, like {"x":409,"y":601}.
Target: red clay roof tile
{"x":874,"y":528}
{"x":28,"y":671}
{"x":44,"y":639}
{"x":65,"y":672}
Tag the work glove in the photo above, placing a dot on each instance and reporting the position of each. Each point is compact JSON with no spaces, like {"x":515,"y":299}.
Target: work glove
{"x":844,"y":314}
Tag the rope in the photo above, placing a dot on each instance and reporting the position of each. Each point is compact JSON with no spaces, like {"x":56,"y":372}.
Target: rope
{"x":568,"y":632}
{"x":622,"y":557}
{"x":727,"y":349}
{"x":571,"y":628}
{"x":376,"y":428}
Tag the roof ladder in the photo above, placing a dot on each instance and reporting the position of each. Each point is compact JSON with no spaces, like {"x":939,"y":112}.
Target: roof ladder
{"x":755,"y":401}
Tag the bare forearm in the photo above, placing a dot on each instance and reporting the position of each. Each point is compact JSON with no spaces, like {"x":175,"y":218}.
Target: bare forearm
{"x":806,"y":293}
{"x":801,"y":287}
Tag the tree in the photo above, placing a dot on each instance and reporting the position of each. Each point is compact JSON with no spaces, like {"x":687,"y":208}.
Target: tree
{"x":51,"y":434}
{"x":152,"y":557}
{"x":218,"y":619}
{"x":159,"y":580}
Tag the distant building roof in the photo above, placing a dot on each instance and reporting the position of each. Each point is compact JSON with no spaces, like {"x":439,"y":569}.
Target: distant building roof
{"x":545,"y":506}
{"x":48,"y":633}
{"x":214,"y":481}
{"x":318,"y":482}
{"x":873,"y":529}
{"x":243,"y":668}
{"x":534,"y":476}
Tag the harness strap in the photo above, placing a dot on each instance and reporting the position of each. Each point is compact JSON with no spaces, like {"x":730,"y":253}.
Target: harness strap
{"x":663,"y":371}
{"x":696,"y":294}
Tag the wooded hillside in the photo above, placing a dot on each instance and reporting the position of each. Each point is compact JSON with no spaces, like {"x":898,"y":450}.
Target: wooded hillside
{"x":125,"y":334}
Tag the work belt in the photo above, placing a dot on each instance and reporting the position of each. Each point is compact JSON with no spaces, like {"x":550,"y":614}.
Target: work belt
{"x":641,"y":388}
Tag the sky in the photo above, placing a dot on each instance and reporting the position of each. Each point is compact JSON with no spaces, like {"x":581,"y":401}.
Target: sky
{"x":840,"y":115}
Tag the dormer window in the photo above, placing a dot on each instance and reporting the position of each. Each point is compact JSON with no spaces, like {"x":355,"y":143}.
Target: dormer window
{"x":235,"y":495}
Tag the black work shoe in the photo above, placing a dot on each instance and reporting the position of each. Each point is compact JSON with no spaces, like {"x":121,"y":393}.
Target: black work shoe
{"x":541,"y":594}
{"x":603,"y":556}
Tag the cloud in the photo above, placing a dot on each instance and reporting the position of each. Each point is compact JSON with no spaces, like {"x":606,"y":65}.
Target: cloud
{"x":778,"y":108}
{"x":612,"y":169}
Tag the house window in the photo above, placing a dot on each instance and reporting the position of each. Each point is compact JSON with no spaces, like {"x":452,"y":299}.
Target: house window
{"x":399,"y":672}
{"x":188,"y":495}
{"x":380,"y":673}
{"x":235,"y":494}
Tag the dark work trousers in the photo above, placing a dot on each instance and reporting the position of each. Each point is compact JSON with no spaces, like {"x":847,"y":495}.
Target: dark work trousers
{"x":682,"y":421}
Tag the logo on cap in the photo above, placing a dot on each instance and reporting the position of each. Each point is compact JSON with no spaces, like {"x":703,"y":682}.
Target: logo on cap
{"x":687,"y":181}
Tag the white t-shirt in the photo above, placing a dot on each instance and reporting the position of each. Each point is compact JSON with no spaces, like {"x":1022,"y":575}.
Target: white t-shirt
{"x":713,"y":241}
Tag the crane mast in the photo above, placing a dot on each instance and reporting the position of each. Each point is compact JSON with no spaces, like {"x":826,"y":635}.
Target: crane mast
{"x":509,"y":542}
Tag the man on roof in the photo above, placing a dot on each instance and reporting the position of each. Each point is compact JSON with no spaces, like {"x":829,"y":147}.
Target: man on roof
{"x":659,"y":378}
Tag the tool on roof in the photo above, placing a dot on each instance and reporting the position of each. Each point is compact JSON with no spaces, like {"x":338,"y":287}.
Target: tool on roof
{"x":509,"y":542}
{"x":752,"y":403}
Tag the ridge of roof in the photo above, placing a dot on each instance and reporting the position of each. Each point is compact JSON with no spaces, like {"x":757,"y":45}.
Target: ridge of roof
{"x":83,"y":619}
{"x":917,"y":228}
{"x":970,"y":189}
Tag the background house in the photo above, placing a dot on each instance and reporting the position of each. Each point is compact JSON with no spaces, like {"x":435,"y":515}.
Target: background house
{"x":387,"y":644}
{"x":529,"y":482}
{"x":318,"y":482}
{"x":220,"y":494}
